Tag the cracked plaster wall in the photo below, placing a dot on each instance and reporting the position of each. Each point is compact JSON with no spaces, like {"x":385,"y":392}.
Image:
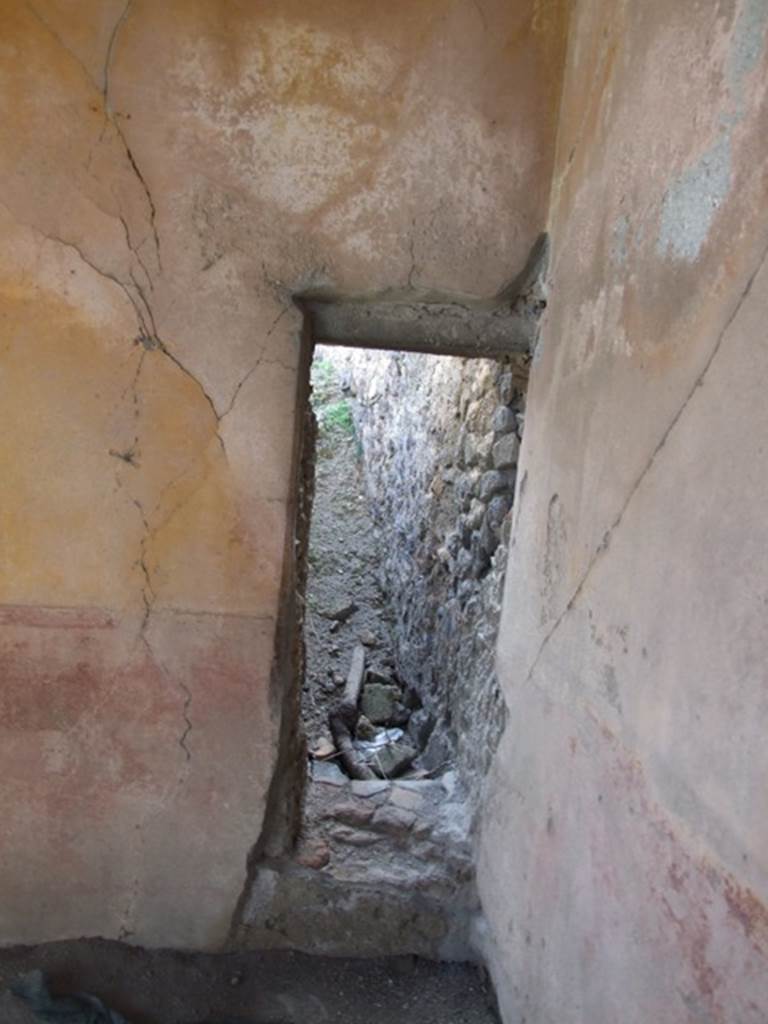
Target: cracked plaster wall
{"x":623,"y":860}
{"x":169,"y":174}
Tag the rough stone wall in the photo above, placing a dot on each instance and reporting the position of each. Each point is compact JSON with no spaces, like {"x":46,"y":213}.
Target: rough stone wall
{"x":623,"y":860}
{"x":439,"y":438}
{"x":171,"y":172}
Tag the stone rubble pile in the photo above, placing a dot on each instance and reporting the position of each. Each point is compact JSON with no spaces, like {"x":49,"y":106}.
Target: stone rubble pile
{"x":378,"y":728}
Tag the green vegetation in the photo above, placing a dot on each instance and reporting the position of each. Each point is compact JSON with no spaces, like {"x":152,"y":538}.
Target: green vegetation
{"x":334,"y":414}
{"x":324,"y":383}
{"x":336,"y":418}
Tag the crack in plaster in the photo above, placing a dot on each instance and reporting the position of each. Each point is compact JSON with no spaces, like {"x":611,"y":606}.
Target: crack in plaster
{"x":149,"y":342}
{"x":98,"y":270}
{"x":110,"y":47}
{"x":149,"y":597}
{"x":259,"y":362}
{"x":607,"y":536}
{"x":112,"y":119}
{"x":481,"y":13}
{"x":187,"y":721}
{"x":148,"y":594}
{"x":52,"y":31}
{"x":154,"y":344}
{"x":147,"y":337}
{"x":136,"y":253}
{"x":412,"y":252}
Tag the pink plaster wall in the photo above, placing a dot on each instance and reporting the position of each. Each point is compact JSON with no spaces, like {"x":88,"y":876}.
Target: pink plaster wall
{"x":624,"y":851}
{"x":170,"y":173}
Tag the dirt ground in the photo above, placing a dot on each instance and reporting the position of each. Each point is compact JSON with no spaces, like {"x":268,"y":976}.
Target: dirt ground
{"x":165,"y":987}
{"x":343,"y":560}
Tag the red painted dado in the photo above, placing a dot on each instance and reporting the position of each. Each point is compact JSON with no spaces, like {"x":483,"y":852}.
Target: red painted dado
{"x":111,"y":749}
{"x":40,"y":617}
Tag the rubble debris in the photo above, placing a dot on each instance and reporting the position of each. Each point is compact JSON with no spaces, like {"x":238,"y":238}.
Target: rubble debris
{"x":354,"y":680}
{"x":365,"y":729}
{"x":328,"y":772}
{"x":323,"y":749}
{"x":350,"y":757}
{"x":389,"y":761}
{"x":342,"y":613}
{"x":378,"y":702}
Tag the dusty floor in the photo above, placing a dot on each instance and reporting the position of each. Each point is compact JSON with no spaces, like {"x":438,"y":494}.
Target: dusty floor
{"x":256,"y":988}
{"x":344,"y":561}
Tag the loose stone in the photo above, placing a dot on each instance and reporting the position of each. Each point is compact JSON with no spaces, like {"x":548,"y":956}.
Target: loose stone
{"x":323,"y":748}
{"x":328,"y":773}
{"x":393,"y":821}
{"x":365,"y":729}
{"x":315,"y":855}
{"x":378,"y":702}
{"x":341,"y":613}
{"x":393,"y":759}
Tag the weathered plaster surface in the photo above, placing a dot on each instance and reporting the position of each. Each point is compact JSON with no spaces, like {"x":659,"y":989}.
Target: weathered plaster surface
{"x":623,"y":860}
{"x":170,"y":174}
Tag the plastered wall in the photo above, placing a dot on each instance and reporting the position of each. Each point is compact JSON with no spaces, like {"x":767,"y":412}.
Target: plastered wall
{"x":623,"y":861}
{"x":169,"y":174}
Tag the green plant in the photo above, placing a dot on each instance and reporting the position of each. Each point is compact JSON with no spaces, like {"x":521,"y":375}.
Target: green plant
{"x":323,"y":380}
{"x":336,"y":418}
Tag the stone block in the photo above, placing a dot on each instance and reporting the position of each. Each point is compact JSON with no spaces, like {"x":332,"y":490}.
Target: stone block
{"x":393,"y":821}
{"x":477,"y":449}
{"x":495,"y":481}
{"x":393,"y":759}
{"x":506,"y":388}
{"x":506,"y":451}
{"x":497,"y":510}
{"x":350,"y":813}
{"x":408,"y":799}
{"x":504,"y":420}
{"x":378,"y":702}
{"x":369,"y":787}
{"x":328,"y":773}
{"x":475,"y":514}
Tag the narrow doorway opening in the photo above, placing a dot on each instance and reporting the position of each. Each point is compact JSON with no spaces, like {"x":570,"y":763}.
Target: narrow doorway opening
{"x":412,"y":427}
{"x":414,"y":476}
{"x":411,"y":465}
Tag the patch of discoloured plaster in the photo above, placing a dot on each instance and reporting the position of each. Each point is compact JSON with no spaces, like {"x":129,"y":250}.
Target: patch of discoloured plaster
{"x":747,"y":41}
{"x":605,"y":542}
{"x":691,"y":203}
{"x":620,"y":242}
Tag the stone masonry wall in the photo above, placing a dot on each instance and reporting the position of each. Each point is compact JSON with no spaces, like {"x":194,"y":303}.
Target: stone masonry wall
{"x":439,"y":438}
